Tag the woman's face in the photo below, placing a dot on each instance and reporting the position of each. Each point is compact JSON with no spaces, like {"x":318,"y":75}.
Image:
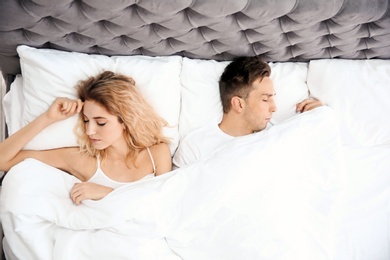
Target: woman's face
{"x":103,"y":128}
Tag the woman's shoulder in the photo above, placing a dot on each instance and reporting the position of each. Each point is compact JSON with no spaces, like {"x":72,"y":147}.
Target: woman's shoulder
{"x":159,"y":148}
{"x":162,"y":157}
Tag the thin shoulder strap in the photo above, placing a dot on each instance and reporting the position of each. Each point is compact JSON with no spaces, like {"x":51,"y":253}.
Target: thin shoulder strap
{"x":151,"y":158}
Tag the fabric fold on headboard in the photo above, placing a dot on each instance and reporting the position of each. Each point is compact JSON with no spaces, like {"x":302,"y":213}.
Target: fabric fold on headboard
{"x":282,"y":30}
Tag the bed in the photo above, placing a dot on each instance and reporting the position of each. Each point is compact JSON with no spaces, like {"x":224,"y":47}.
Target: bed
{"x":314,"y":185}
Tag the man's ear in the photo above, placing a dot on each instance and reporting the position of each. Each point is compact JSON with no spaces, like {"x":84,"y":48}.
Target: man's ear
{"x":237,"y":103}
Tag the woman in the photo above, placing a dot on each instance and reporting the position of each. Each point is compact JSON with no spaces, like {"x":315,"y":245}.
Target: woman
{"x":120,"y":138}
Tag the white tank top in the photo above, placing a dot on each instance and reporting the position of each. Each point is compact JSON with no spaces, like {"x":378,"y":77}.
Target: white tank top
{"x":101,"y":178}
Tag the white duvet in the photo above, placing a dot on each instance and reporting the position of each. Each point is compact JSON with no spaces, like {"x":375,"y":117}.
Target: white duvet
{"x":270,"y":195}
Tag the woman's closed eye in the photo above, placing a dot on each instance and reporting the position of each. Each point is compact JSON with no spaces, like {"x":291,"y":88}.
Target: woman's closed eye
{"x":98,"y":123}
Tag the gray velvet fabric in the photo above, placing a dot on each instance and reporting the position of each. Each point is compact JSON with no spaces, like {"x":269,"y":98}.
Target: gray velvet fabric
{"x":278,"y":30}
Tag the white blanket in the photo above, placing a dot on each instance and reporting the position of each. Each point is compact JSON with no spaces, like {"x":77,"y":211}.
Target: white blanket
{"x":362,"y":222}
{"x":269,"y":195}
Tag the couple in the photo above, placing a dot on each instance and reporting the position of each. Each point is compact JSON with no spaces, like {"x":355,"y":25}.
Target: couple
{"x":114,"y":117}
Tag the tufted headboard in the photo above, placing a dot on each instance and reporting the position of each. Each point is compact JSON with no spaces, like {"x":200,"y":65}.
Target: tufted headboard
{"x":278,"y":30}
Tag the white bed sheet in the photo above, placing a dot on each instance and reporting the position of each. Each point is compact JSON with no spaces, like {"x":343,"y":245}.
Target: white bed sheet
{"x":363,"y":212}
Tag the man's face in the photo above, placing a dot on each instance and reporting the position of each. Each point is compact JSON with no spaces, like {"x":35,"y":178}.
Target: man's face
{"x":260,"y":105}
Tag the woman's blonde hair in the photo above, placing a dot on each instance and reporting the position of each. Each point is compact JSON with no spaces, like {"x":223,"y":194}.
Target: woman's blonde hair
{"x":118,"y":95}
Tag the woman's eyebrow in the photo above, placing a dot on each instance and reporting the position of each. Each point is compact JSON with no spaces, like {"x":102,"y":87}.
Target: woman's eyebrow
{"x":96,"y":117}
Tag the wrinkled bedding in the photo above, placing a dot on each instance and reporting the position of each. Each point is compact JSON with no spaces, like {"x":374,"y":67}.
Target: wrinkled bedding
{"x":362,"y":224}
{"x":270,"y":195}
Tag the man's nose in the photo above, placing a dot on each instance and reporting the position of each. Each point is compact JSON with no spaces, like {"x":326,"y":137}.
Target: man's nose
{"x":273,"y":107}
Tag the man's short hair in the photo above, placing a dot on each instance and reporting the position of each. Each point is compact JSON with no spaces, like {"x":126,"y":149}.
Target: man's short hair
{"x":238,"y":76}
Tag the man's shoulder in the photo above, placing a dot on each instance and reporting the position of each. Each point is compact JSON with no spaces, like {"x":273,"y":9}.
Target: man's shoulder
{"x":208,"y":129}
{"x":190,"y":146}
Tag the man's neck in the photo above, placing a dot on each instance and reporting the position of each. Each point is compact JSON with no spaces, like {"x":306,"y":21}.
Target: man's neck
{"x":233,"y":126}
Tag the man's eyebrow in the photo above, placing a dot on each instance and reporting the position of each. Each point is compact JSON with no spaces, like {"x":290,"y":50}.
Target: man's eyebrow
{"x":268,"y":94}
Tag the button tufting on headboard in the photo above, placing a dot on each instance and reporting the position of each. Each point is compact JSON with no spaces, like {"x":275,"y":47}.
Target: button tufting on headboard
{"x":278,"y":30}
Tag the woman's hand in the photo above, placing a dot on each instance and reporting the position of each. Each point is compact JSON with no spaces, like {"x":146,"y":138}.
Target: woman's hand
{"x":63,"y":108}
{"x":308,"y":104}
{"x":88,"y":190}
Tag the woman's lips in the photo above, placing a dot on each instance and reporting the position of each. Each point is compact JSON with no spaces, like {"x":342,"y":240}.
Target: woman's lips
{"x":93,"y":140}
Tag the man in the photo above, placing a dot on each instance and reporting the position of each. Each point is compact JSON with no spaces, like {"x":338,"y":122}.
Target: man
{"x":247,"y":96}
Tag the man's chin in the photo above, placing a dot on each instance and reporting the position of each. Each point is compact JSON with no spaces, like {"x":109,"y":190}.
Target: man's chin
{"x":260,"y":129}
{"x":264,"y":127}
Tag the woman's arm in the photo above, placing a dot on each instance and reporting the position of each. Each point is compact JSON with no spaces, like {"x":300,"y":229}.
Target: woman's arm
{"x":11,"y":148}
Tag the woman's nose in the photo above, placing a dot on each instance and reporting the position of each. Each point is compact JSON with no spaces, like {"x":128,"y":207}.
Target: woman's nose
{"x":89,"y":129}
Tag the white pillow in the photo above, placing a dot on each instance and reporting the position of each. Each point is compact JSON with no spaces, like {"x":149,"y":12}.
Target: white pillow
{"x":200,"y":94}
{"x":359,"y":92}
{"x":13,"y":105}
{"x":289,"y":80}
{"x":51,"y":73}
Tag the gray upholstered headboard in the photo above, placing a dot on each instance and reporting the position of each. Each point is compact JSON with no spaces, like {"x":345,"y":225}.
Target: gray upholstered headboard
{"x":278,"y":30}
